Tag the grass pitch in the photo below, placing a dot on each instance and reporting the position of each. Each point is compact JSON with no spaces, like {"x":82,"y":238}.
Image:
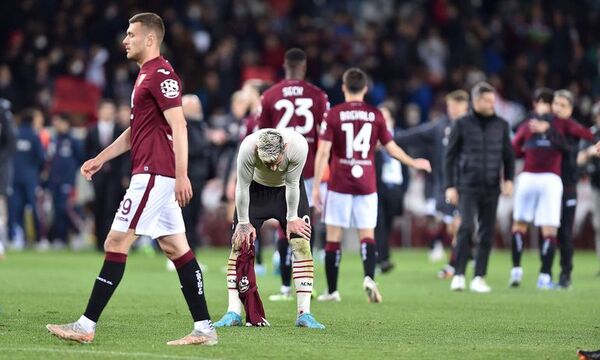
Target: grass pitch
{"x":418,"y":319}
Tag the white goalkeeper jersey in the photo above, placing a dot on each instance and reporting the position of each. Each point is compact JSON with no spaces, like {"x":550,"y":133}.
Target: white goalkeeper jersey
{"x":249,"y":167}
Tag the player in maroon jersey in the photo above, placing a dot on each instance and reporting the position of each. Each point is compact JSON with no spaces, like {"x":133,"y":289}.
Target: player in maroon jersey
{"x":159,"y":186}
{"x":350,"y":133}
{"x":299,"y":105}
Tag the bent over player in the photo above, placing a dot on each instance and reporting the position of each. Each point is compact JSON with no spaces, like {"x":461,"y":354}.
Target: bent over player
{"x":159,"y":186}
{"x":270,"y":185}
{"x":350,"y":133}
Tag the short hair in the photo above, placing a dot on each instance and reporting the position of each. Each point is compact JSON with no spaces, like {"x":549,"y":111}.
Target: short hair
{"x":565,"y":94}
{"x":152,"y":22}
{"x":355,"y":80}
{"x":481,"y":88}
{"x":27,"y":115}
{"x":294,"y":58}
{"x":269,"y":146}
{"x":63,"y":116}
{"x":106,"y":101}
{"x":544,"y":95}
{"x":458,"y":96}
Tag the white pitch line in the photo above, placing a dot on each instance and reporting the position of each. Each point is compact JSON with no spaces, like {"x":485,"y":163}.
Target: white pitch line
{"x":107,"y":353}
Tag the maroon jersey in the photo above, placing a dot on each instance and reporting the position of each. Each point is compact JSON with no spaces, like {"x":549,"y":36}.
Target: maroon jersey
{"x":298,"y":105}
{"x":544,"y":152}
{"x":249,"y":126}
{"x":354,"y":129}
{"x":156,"y":89}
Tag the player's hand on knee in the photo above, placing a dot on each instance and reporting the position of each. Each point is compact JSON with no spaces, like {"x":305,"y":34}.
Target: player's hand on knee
{"x":300,"y":227}
{"x":90,"y":167}
{"x":243,"y":235}
{"x":183,"y":190}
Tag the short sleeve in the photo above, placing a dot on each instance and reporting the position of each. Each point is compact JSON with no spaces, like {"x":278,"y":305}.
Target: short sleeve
{"x":384,"y":136}
{"x":326,"y":128}
{"x":166,"y":88}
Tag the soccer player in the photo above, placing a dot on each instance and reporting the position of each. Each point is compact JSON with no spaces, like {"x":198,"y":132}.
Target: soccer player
{"x":539,"y":189}
{"x":349,"y":134}
{"x":294,"y":104}
{"x":159,"y":186}
{"x":270,"y":185}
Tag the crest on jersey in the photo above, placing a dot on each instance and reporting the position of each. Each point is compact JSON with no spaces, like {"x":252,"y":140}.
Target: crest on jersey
{"x":244,"y":284}
{"x":169,"y":88}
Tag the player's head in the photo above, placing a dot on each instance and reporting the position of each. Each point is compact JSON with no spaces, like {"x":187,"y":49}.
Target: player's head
{"x":124,"y":115}
{"x":107,"y":111}
{"x":270,"y":148}
{"x":542,"y":101}
{"x":562,"y":104}
{"x":144,"y":36}
{"x":457,"y":104}
{"x":484,"y":97}
{"x":61,"y":122}
{"x":596,"y":114}
{"x":192,"y":107}
{"x":294,"y":64}
{"x":354,"y":83}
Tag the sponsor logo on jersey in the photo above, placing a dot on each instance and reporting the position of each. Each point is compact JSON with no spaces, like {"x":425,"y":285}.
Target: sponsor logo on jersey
{"x":169,"y":88}
{"x":163,"y":71}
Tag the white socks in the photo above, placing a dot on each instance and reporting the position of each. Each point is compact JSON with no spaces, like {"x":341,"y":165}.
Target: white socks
{"x":204,"y":326}
{"x":302,"y":273}
{"x":235,"y":304}
{"x":87,"y":324}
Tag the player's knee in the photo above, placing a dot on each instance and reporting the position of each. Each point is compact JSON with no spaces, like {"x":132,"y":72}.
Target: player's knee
{"x":115,"y":243}
{"x":300,"y":247}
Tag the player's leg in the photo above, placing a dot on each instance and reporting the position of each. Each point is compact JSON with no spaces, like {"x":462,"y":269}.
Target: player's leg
{"x":285,"y":267}
{"x":467,"y":206}
{"x":487,"y":208}
{"x":338,"y":212}
{"x":116,"y":246}
{"x":176,"y":248}
{"x":364,"y":216}
{"x":548,"y":218}
{"x":565,"y":237}
{"x":526,"y":200}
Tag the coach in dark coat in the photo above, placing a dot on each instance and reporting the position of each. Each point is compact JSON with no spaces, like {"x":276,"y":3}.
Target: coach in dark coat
{"x":108,"y":191}
{"x":479,"y":144}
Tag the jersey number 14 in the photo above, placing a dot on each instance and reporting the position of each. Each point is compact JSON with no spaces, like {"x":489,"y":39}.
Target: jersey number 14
{"x":360,"y":143}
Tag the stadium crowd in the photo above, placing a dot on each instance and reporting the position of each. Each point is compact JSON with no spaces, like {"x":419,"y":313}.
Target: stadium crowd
{"x":63,"y":71}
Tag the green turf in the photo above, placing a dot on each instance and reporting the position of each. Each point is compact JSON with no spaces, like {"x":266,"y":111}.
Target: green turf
{"x":418,"y":319}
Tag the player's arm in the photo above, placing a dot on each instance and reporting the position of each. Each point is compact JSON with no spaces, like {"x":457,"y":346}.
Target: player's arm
{"x":519,"y":140}
{"x":120,"y":146}
{"x":450,"y":161}
{"x":183,"y":186}
{"x":244,"y":231}
{"x":321,"y":161}
{"x":396,"y":152}
{"x":577,"y":130}
{"x":297,"y":153}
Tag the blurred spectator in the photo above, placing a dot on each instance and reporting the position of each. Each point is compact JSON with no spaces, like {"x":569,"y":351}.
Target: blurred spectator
{"x":589,"y":157}
{"x":27,"y":164}
{"x":65,"y":157}
{"x":8,"y":142}
{"x":107,"y":182}
{"x":200,"y":164}
{"x":391,"y":188}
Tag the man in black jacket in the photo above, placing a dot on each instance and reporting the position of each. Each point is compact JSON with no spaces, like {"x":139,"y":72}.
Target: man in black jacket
{"x":108,"y":190}
{"x":479,"y":144}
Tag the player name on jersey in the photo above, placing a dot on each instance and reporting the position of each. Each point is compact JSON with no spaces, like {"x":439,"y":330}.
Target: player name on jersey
{"x":292,"y":91}
{"x":351,"y":115}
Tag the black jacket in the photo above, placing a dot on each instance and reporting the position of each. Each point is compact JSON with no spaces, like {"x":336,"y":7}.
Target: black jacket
{"x":8,"y":145}
{"x":482,"y":149}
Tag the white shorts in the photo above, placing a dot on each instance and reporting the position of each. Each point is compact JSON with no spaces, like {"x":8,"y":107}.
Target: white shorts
{"x":538,"y":199}
{"x":150,"y":207}
{"x":347,"y":210}
{"x":308,"y":183}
